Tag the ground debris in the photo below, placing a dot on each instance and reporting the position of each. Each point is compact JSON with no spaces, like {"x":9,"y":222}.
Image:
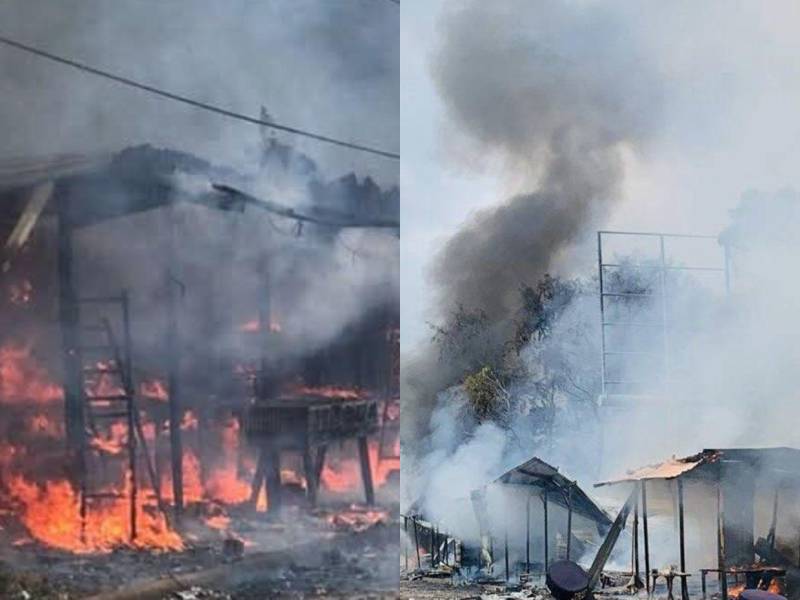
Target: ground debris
{"x":198,"y":593}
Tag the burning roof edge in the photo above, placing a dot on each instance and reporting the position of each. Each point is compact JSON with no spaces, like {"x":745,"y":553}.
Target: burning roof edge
{"x":674,"y":468}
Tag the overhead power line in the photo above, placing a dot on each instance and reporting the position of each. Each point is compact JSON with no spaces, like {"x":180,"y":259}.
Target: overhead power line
{"x":195,"y":103}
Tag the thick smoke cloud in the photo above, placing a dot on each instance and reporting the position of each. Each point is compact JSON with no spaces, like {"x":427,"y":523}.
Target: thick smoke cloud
{"x":330,"y":67}
{"x":555,"y":91}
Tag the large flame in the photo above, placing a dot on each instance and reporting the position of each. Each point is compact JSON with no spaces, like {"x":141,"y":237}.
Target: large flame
{"x":51,"y":513}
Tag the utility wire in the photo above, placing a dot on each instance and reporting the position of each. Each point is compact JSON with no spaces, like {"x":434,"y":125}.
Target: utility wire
{"x":194,"y":103}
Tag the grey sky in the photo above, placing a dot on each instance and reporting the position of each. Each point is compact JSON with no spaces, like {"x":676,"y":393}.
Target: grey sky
{"x":728,"y":124}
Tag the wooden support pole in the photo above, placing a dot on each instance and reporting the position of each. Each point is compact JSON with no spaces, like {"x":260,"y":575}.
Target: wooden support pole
{"x":416,"y":542}
{"x":546,"y":536}
{"x":682,"y":538}
{"x":273,"y":480}
{"x":723,"y":577}
{"x":774,"y":522}
{"x":311,"y":476}
{"x":68,"y":318}
{"x":173,"y":346}
{"x":569,"y":521}
{"x":635,"y":545}
{"x":405,"y":542}
{"x":505,"y":548}
{"x":366,"y":470}
{"x":319,"y":464}
{"x":258,"y":477}
{"x":528,"y":535}
{"x":643,"y":484}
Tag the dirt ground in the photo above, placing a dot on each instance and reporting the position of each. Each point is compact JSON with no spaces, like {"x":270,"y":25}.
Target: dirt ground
{"x":312,"y":559}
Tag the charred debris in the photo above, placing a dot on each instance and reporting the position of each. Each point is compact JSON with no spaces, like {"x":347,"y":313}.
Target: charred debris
{"x":736,"y":505}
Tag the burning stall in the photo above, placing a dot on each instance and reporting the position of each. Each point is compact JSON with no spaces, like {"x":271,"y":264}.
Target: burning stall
{"x":734,"y":516}
{"x":150,"y":320}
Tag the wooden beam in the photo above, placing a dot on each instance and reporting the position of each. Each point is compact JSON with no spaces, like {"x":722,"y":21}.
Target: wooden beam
{"x":611,"y":539}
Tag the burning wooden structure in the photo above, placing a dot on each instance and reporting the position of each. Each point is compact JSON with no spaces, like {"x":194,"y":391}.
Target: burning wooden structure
{"x":740,"y":491}
{"x":125,"y":404}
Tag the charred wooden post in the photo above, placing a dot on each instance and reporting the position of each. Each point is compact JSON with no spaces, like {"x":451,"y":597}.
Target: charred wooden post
{"x":272,"y":479}
{"x":172,"y":344}
{"x":611,"y":539}
{"x":416,"y":542}
{"x":258,"y":478}
{"x":643,"y":485}
{"x":681,"y":525}
{"x":528,"y":534}
{"x":546,"y":533}
{"x":405,"y":542}
{"x":569,"y":521}
{"x":505,"y":544}
{"x":478,"y":499}
{"x":319,"y":462}
{"x":723,"y":578}
{"x":773,"y":522}
{"x":312,"y":481}
{"x":366,"y":470}
{"x":69,"y":316}
{"x":635,"y":579}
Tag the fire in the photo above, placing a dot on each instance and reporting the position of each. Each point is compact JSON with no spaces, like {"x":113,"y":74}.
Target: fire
{"x":254,"y":325}
{"x":736,"y":590}
{"x":346,"y":474}
{"x":51,"y":513}
{"x":20,"y":293}
{"x":41,"y":424}
{"x":776,"y":586}
{"x":220,"y":522}
{"x":104,"y":383}
{"x":22,"y":379}
{"x":154,"y":389}
{"x":358,"y":519}
{"x":189,"y":421}
{"x":326,"y":391}
{"x":112,"y":442}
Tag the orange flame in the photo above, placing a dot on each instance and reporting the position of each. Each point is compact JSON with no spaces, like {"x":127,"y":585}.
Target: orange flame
{"x":22,"y":379}
{"x":154,"y":389}
{"x":51,"y":514}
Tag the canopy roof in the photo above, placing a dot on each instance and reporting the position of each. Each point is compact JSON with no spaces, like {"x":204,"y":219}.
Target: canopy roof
{"x":537,"y":474}
{"x":706,"y":464}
